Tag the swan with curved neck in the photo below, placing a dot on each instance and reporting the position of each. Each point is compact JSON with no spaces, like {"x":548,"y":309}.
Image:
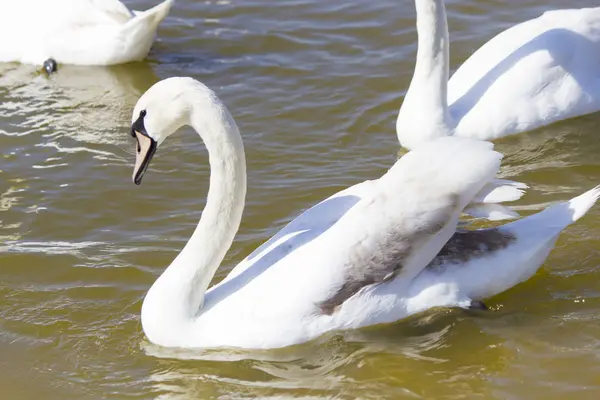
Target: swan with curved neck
{"x":530,"y":75}
{"x":373,"y":253}
{"x":184,"y":283}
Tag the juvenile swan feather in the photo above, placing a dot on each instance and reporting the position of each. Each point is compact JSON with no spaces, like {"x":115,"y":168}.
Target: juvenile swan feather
{"x":359,"y":257}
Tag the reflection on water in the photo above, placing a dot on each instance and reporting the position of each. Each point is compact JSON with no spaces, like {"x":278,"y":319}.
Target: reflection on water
{"x":315,"y":88}
{"x":84,"y":104}
{"x":316,"y":368}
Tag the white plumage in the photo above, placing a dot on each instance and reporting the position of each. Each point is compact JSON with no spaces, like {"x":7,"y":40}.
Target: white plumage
{"x":535,"y":73}
{"x":82,"y":32}
{"x":374,"y":253}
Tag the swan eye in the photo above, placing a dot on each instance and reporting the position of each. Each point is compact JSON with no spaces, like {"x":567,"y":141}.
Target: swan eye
{"x":142,"y":113}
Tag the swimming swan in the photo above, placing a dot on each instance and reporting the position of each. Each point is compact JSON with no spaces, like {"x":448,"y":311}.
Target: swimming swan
{"x":83,"y":32}
{"x":358,"y":258}
{"x":535,"y":73}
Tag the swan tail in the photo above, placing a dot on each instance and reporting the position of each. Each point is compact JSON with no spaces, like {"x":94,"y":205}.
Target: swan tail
{"x":506,"y":255}
{"x":139,"y":32}
{"x":535,"y":238}
{"x":115,"y":9}
{"x":580,"y":205}
{"x":558,"y":216}
{"x":156,"y":14}
{"x":563,"y":214}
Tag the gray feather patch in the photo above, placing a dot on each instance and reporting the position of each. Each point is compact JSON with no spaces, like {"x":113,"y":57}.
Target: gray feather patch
{"x":466,"y":245}
{"x":372,"y":264}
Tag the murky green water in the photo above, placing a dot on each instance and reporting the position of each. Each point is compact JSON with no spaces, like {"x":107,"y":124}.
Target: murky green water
{"x":315,"y":87}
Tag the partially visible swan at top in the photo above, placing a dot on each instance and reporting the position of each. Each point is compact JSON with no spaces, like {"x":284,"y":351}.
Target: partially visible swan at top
{"x":82,"y":32}
{"x":535,"y":73}
{"x":365,"y":255}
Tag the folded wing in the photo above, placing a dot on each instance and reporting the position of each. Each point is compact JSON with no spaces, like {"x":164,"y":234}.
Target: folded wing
{"x":412,"y":212}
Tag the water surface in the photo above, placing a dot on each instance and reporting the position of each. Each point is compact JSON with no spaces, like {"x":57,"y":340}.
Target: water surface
{"x":314,"y":87}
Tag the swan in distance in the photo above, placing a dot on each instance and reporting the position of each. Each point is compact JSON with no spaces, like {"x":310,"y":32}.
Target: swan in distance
{"x":80,"y":32}
{"x":533,"y":74}
{"x":373,"y":253}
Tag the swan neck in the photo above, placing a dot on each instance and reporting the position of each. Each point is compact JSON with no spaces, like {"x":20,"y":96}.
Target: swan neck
{"x":176,"y":298}
{"x":427,"y":95}
{"x":222,"y":213}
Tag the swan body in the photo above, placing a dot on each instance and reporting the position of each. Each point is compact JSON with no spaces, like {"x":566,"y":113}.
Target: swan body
{"x":358,"y":258}
{"x":533,"y":74}
{"x":81,"y":32}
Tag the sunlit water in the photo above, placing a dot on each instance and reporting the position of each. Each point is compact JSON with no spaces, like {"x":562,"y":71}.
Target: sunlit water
{"x":314,"y":87}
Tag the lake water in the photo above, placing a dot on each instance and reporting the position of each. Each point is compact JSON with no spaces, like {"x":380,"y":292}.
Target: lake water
{"x":315,"y":87}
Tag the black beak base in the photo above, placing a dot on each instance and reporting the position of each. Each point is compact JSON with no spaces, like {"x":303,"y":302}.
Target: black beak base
{"x":145,"y":148}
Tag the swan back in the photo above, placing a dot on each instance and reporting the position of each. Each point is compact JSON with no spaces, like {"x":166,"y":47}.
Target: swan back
{"x":530,"y":75}
{"x":391,"y":233}
{"x":112,"y":9}
{"x":84,"y":32}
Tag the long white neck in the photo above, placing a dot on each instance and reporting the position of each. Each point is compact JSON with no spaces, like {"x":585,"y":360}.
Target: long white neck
{"x":176,"y":298}
{"x":424,"y":112}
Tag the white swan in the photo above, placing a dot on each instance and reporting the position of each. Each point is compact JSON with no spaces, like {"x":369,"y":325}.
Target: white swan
{"x":82,"y":32}
{"x":535,"y":73}
{"x":358,"y":258}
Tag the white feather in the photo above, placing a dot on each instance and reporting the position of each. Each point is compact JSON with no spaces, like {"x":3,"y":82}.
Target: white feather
{"x":535,"y":73}
{"x":83,"y":32}
{"x":500,"y":190}
{"x":494,"y":272}
{"x":361,"y":257}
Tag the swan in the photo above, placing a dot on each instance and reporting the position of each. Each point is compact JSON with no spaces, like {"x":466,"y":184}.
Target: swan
{"x":82,"y":32}
{"x":364,"y":256}
{"x":535,"y":73}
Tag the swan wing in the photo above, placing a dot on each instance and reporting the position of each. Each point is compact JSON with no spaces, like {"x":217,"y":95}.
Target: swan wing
{"x":500,"y":190}
{"x":380,"y":230}
{"x":308,"y":224}
{"x":532,"y":74}
{"x":411,"y":214}
{"x":112,"y":9}
{"x":485,"y":204}
{"x":486,"y":262}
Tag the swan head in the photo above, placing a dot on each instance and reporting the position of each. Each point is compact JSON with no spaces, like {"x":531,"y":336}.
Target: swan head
{"x":160,"y":112}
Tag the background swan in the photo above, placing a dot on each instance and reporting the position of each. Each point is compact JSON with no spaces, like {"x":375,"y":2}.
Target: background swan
{"x":357,"y":258}
{"x":83,"y":32}
{"x":532,"y":74}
